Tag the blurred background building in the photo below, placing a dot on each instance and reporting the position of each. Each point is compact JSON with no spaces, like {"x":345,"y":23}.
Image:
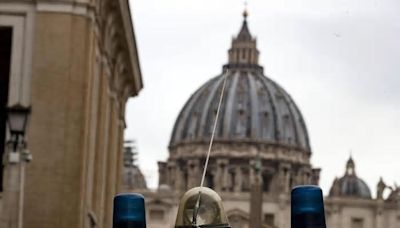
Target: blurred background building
{"x":75,"y":63}
{"x":258,"y":120}
{"x":132,"y":175}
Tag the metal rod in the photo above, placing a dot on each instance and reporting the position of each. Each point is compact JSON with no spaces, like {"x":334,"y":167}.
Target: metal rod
{"x":197,"y":206}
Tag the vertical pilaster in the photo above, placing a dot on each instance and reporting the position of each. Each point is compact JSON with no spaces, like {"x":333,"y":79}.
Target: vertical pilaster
{"x":256,"y":197}
{"x":102,"y":140}
{"x":284,"y":177}
{"x":171,"y":177}
{"x":110,"y":176}
{"x":194,"y":177}
{"x":221,"y":183}
{"x":179,"y":183}
{"x":238,"y":179}
{"x":120,"y":150}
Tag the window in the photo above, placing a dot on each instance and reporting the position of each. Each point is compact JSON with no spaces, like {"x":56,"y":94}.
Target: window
{"x":210,"y":180}
{"x":5,"y":61}
{"x":357,"y":223}
{"x":269,"y":219}
{"x":266,"y":182}
{"x":232,"y":177}
{"x":245,"y":181}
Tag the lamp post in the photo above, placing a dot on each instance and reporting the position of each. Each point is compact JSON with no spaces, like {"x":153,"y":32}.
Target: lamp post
{"x":17,"y":119}
{"x":17,"y":156}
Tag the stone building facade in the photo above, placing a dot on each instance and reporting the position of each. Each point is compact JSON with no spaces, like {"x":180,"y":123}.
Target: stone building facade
{"x":350,"y":202}
{"x":259,"y":122}
{"x":75,"y":62}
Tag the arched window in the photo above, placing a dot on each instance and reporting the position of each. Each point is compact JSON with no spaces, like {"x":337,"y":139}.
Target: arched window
{"x":232,"y":179}
{"x":246,"y":181}
{"x":266,"y":182}
{"x":210,"y":180}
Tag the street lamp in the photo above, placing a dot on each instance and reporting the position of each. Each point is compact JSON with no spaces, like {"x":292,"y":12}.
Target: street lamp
{"x":17,"y":118}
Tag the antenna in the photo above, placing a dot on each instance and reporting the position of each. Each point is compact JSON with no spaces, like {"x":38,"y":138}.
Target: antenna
{"x":213,"y":131}
{"x":196,"y":208}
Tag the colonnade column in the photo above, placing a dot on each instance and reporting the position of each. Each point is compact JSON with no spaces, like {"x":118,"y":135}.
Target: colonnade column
{"x":284,"y":176}
{"x":238,"y":179}
{"x":221,"y":179}
{"x":171,"y":174}
{"x":179,"y":179}
{"x":194,"y":177}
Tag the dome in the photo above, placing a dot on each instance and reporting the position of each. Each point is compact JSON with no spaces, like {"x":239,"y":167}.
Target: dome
{"x":134,"y":178}
{"x":254,"y":108}
{"x":259,"y":126}
{"x":350,"y":185}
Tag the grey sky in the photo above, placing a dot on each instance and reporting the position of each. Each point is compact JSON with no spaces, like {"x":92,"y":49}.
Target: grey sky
{"x":339,"y":60}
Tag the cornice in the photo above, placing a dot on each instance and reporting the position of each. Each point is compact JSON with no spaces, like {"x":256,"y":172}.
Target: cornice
{"x":113,"y":27}
{"x":82,"y":8}
{"x":350,"y":202}
{"x":242,"y":150}
{"x":131,"y":42}
{"x":120,"y":47}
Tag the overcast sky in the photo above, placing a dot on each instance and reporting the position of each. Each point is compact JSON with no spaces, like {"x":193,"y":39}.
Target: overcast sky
{"x":339,"y":60}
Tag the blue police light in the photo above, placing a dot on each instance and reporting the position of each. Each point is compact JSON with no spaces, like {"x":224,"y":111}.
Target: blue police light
{"x":129,"y":211}
{"x":307,"y":207}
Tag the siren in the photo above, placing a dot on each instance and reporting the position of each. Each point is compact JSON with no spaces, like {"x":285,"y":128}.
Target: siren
{"x":307,"y":207}
{"x":201,"y":207}
{"x":129,"y":211}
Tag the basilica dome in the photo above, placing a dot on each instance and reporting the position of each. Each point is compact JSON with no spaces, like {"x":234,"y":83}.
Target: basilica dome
{"x":258,"y":123}
{"x":350,"y":185}
{"x":254,"y":109}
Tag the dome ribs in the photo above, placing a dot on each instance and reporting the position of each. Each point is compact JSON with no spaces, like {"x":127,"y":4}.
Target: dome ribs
{"x":266,"y":130}
{"x":302,"y":130}
{"x":193,"y":112}
{"x":212,"y":110}
{"x":207,"y":104}
{"x":229,"y":100}
{"x":255,"y":117}
{"x":239,"y":113}
{"x":180,"y":125}
{"x":272,"y":102}
{"x":286,"y":98}
{"x":254,"y":109}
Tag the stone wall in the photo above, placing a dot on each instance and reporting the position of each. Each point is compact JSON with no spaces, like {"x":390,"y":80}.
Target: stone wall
{"x":84,"y":67}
